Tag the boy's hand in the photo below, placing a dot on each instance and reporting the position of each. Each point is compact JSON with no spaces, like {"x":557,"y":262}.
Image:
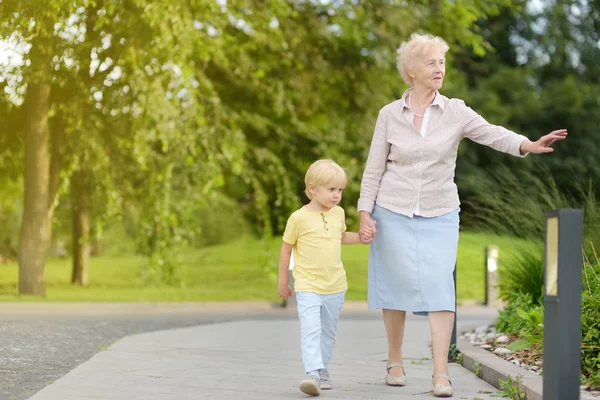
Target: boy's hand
{"x":284,"y":291}
{"x":367,"y":230}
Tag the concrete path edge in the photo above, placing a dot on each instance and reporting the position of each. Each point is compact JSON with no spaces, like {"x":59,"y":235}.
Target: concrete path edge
{"x":494,"y":369}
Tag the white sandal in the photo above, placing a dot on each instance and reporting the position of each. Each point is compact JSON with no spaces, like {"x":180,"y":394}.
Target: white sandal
{"x":442,"y":390}
{"x":395,"y":380}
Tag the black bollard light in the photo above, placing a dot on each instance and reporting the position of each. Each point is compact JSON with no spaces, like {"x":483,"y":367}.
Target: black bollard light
{"x":562,"y":304}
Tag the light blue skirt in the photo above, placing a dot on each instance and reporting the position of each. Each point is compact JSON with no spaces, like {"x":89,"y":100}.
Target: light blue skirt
{"x":411,"y":262}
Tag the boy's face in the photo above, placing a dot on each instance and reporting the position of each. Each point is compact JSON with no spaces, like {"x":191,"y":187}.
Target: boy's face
{"x":328,"y":196}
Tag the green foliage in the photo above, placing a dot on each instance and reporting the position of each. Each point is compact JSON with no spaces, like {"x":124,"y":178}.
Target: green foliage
{"x":310,"y":88}
{"x":520,"y":212}
{"x":163,"y":105}
{"x":590,"y":342}
{"x":459,"y":358}
{"x":590,"y":322}
{"x":11,"y":193}
{"x":523,"y":316}
{"x":113,"y":240}
{"x":514,"y":203}
{"x":533,"y":324}
{"x":509,"y":321}
{"x":523,"y":273}
{"x":220,"y":220}
{"x":11,"y":179}
{"x":156,"y":102}
{"x":512,"y":389}
{"x":477,"y":368}
{"x":540,"y":52}
{"x":519,"y":344}
{"x":454,"y":355}
{"x":122,"y":81}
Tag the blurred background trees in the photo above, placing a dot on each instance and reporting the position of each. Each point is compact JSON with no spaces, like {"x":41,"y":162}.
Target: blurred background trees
{"x":150,"y":126}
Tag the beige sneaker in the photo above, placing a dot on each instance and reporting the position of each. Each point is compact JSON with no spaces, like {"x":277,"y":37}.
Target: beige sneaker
{"x":325,"y":379}
{"x":310,"y":386}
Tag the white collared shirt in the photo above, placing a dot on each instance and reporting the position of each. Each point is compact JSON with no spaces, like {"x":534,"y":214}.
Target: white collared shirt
{"x":424,"y":124}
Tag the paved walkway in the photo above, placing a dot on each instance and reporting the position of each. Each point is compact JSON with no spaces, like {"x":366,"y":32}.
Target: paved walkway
{"x":259,"y":359}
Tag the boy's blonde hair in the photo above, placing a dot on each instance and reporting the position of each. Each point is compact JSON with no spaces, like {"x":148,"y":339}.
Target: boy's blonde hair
{"x":323,"y":173}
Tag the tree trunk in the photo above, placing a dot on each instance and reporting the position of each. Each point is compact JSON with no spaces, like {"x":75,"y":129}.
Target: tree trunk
{"x":36,"y":228}
{"x":80,"y":198}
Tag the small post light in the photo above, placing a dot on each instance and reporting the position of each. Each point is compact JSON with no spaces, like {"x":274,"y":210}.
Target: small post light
{"x":551,"y":269}
{"x":562,"y":304}
{"x":491,"y":275}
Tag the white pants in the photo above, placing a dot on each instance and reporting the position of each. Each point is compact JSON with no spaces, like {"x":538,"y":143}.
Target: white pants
{"x":318,"y":314}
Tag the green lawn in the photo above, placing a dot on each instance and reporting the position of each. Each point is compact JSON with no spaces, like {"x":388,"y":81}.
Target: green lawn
{"x":243,"y":270}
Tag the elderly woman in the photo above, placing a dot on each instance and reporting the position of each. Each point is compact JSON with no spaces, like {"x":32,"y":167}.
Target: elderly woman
{"x":409,"y":202}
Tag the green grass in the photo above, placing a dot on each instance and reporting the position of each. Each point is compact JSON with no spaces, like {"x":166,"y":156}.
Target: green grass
{"x":242,"y":270}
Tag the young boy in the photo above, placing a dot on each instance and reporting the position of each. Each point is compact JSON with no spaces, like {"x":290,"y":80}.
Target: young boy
{"x":316,"y":232}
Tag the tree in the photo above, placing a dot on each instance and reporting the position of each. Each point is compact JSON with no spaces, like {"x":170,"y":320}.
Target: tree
{"x":154,"y":106}
{"x":74,"y":49}
{"x":11,"y":192}
{"x":304,"y":80}
{"x":41,"y":137}
{"x":541,"y":76}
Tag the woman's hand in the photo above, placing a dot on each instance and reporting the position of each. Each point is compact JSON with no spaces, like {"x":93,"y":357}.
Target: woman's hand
{"x":543,"y":144}
{"x":367,"y":228}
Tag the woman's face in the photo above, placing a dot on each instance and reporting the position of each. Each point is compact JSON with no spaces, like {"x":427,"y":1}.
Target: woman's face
{"x":429,"y":70}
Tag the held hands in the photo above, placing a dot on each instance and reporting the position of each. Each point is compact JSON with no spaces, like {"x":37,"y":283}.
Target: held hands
{"x":367,"y":229}
{"x":284,"y":291}
{"x":543,"y":144}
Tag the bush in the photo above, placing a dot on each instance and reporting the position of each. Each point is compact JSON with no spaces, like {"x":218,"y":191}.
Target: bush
{"x":221,"y":220}
{"x":514,"y":203}
{"x":590,"y":321}
{"x":509,"y":321}
{"x":591,"y":219}
{"x":217,"y":218}
{"x":523,"y":274}
{"x":11,"y":209}
{"x":114,"y":240}
{"x":590,"y":341}
{"x":523,"y":315}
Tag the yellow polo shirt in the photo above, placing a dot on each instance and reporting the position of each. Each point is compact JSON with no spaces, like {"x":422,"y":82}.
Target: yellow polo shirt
{"x":317,"y":240}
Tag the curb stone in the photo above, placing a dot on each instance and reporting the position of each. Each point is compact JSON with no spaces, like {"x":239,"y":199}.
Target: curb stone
{"x":493,"y":369}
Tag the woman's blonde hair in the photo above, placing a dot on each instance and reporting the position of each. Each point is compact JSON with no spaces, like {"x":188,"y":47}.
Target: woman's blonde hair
{"x":323,"y":173}
{"x":413,"y":50}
